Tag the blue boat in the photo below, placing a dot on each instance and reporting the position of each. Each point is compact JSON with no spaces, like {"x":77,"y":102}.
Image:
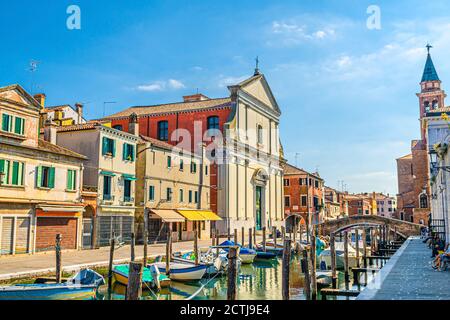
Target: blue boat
{"x":246,"y":255}
{"x":265,"y":255}
{"x":83,"y":285}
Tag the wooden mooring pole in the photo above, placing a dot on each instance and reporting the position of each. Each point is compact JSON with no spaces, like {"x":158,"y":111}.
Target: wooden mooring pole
{"x":250,"y":238}
{"x":228,"y":233}
{"x":346,"y":275}
{"x":111,"y":259}
{"x":58,"y":258}
{"x":364,"y":247}
{"x":235,"y":237}
{"x":232,"y":273}
{"x":305,"y":268}
{"x":134,"y":286}
{"x":283,"y":232}
{"x":196,"y":247}
{"x":243,"y":236}
{"x":168,"y":245}
{"x":133,"y":242}
{"x":145,"y":248}
{"x":357,"y":247}
{"x":264,"y":238}
{"x":254,"y":236}
{"x":313,"y":265}
{"x":333,"y":260}
{"x":274,"y":236}
{"x":285,"y":269}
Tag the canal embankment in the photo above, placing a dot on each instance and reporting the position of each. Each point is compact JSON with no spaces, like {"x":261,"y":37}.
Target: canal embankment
{"x":408,"y":275}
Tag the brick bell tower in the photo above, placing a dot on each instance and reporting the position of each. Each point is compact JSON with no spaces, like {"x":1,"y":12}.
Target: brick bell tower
{"x":431,"y":96}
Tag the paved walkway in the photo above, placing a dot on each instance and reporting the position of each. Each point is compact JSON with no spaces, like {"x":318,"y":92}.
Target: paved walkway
{"x":12,"y":267}
{"x":408,"y":276}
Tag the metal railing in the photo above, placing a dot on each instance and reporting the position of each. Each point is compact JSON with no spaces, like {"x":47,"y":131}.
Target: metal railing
{"x":438,"y":227}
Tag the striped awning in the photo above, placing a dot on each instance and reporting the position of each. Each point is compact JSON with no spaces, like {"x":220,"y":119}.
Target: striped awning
{"x":199,"y":215}
{"x":168,"y":215}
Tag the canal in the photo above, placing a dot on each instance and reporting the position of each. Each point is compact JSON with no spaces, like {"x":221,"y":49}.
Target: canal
{"x":260,"y":280}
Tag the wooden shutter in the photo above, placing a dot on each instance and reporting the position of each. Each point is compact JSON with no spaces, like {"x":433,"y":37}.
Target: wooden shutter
{"x":104,"y":145}
{"x":15,"y":173}
{"x":113,"y":147}
{"x":39,"y":177}
{"x":7,"y":235}
{"x":18,"y":125}
{"x":133,"y":157}
{"x":2,"y":169}
{"x":69,"y":179}
{"x":22,"y":235}
{"x":51,"y":177}
{"x":124,"y":152}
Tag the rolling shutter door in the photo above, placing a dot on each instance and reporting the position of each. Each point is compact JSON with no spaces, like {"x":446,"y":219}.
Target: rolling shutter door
{"x":7,"y":235}
{"x":22,"y":235}
{"x":121,"y":225}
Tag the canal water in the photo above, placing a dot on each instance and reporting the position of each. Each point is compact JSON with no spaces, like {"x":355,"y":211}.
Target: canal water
{"x":258,"y":281}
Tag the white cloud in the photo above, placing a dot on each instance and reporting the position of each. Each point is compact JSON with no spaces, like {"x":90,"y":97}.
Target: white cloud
{"x":161,"y":86}
{"x":226,"y":81}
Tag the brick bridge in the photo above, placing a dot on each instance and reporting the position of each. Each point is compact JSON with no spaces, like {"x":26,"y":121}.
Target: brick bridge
{"x":404,"y":228}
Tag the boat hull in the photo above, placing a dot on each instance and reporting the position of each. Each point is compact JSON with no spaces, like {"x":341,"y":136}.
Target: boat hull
{"x":39,"y":292}
{"x":247,"y":258}
{"x":182,"y":272}
{"x":122,"y":278}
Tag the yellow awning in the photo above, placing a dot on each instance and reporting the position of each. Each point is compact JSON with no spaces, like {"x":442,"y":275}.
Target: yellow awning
{"x":168,"y":215}
{"x":199,"y":215}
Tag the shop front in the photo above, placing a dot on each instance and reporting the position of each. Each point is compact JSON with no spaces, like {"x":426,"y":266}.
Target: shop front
{"x":15,"y":228}
{"x":113,"y":221}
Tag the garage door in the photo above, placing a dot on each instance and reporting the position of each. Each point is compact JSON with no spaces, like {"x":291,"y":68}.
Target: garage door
{"x":122,"y":226}
{"x":22,"y":235}
{"x":48,"y":228}
{"x":7,"y":235}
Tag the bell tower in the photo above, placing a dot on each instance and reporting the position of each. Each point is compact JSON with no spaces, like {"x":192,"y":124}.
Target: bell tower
{"x":431,"y":96}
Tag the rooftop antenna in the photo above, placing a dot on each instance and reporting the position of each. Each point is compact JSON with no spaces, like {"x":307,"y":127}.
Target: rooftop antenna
{"x":296,"y":159}
{"x":257,"y":67}
{"x":32,"y":69}
{"x":104,"y":106}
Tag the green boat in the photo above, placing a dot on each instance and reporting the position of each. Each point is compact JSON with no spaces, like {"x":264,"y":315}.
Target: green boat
{"x":121,"y":272}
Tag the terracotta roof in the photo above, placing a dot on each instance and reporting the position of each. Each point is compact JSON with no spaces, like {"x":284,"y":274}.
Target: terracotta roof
{"x":290,"y":170}
{"x":156,"y":142}
{"x":77,"y":127}
{"x":172,"y":107}
{"x":55,"y":108}
{"x":53,"y":148}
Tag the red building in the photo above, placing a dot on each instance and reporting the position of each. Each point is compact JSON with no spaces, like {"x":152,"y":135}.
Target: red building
{"x":303,"y":195}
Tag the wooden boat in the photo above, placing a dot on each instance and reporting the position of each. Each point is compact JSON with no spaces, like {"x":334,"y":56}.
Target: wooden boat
{"x":182,"y":271}
{"x":246,"y":255}
{"x":214,"y":264}
{"x":83,"y":285}
{"x":265,"y":255}
{"x":323,"y":278}
{"x":122,"y":271}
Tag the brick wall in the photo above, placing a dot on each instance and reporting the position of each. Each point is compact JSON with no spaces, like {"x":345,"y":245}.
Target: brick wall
{"x":48,"y":228}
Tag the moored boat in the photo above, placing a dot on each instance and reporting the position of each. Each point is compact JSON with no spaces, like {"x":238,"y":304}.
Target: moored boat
{"x":121,"y":273}
{"x":182,"y":271}
{"x":246,"y":255}
{"x":83,"y":285}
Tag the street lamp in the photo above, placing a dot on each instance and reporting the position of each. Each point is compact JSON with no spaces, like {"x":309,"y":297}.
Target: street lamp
{"x":434,"y":163}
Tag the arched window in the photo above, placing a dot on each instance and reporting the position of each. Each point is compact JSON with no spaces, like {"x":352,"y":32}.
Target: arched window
{"x":118,"y":127}
{"x":426,"y":106}
{"x":435,"y":105}
{"x":260,"y":134}
{"x":163,"y":131}
{"x":213,"y":123}
{"x":423,"y":201}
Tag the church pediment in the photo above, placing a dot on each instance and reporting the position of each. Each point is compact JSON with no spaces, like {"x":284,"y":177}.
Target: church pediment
{"x":16,"y":94}
{"x":258,"y":88}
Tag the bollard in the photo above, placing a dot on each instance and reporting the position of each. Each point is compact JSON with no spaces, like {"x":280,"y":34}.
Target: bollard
{"x":133,"y":242}
{"x":145,"y":248}
{"x":285,"y":269}
{"x":305,"y":268}
{"x":134,"y":286}
{"x":111,"y":259}
{"x":232,"y":273}
{"x":58,"y":258}
{"x":333,"y":260}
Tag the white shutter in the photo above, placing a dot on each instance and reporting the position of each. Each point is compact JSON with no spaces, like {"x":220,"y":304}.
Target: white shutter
{"x":7,"y":235}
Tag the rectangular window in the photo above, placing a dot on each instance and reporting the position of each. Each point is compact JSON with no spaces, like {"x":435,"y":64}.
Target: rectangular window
{"x":7,"y":122}
{"x":108,"y":147}
{"x":163,"y":131}
{"x":169,"y":194}
{"x":190,"y":196}
{"x":181,"y":165}
{"x":107,"y":188}
{"x":151,"y":193}
{"x":196,"y":196}
{"x":206,"y":170}
{"x":300,"y":181}
{"x":304,"y":201}
{"x":359,"y":211}
{"x":181,"y":195}
{"x":71,"y":179}
{"x":286,"y":182}
{"x":127,"y":190}
{"x":287,"y":201}
{"x":45,"y":177}
{"x":316,"y":184}
{"x":193,"y":167}
{"x":19,"y":125}
{"x":128,"y":152}
{"x":169,"y":162}
{"x":12,"y":172}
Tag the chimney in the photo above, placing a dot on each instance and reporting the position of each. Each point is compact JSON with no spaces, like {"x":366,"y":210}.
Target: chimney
{"x":133,"y":124}
{"x":40,"y":98}
{"x":50,"y":131}
{"x":79,"y":109}
{"x":195,"y":98}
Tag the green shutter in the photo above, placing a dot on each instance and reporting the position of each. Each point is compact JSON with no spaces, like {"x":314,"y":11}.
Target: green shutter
{"x":104,"y":146}
{"x":125,"y":151}
{"x":132,"y":152}
{"x":21,"y":169}
{"x":169,"y":161}
{"x":51,"y":178}
{"x":5,"y":122}
{"x":69,"y":179}
{"x":113,"y":147}
{"x":15,"y":174}
{"x":2,"y":169}
{"x":18,"y":126}
{"x":39,"y":177}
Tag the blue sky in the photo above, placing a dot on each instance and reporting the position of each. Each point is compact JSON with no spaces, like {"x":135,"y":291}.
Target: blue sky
{"x":347,"y":93}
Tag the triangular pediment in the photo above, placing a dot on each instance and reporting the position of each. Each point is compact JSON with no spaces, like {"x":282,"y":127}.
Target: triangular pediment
{"x":16,"y":94}
{"x":258,"y":88}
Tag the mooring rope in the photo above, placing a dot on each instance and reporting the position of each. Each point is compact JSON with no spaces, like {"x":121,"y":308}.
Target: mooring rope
{"x":201,"y":288}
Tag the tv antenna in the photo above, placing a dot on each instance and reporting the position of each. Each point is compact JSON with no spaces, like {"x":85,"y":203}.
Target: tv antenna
{"x":32,"y":69}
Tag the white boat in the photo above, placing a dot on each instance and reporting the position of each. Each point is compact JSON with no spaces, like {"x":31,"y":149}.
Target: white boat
{"x":352,"y":260}
{"x":183,"y":271}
